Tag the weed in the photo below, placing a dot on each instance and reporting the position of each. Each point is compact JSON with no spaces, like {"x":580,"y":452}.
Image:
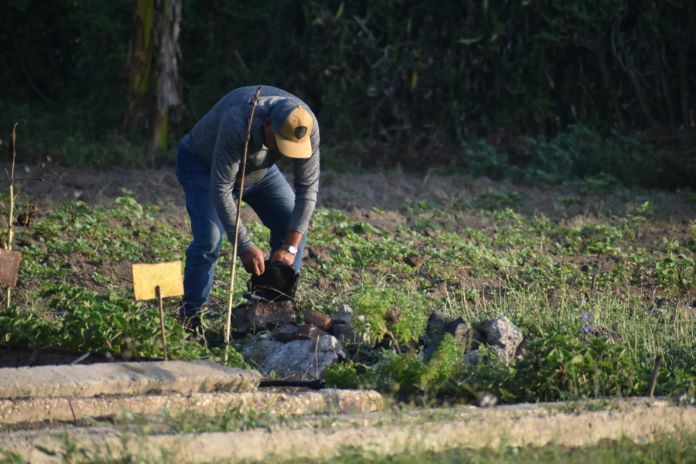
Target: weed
{"x":342,"y":375}
{"x":493,"y":200}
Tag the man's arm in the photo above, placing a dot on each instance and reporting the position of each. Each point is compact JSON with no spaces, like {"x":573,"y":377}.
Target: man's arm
{"x":306,"y":180}
{"x":225,"y":166}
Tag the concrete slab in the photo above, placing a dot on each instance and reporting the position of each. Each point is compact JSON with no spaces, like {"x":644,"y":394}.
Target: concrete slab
{"x":376,"y":434}
{"x":130,"y":378}
{"x":32,"y":410}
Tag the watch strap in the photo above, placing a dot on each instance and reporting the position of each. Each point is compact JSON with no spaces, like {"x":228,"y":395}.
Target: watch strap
{"x":290,"y":249}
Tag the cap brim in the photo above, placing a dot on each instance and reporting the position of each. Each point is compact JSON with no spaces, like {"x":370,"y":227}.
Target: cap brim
{"x":291,"y":149}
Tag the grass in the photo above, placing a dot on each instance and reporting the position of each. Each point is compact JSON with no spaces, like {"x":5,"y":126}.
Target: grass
{"x":674,"y":448}
{"x":668,"y":449}
{"x":598,"y":295}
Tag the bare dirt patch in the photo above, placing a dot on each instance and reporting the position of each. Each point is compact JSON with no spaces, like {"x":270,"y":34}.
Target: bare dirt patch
{"x":371,"y":196}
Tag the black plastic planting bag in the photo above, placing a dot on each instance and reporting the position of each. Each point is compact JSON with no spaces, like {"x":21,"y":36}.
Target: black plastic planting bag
{"x":277,"y":283}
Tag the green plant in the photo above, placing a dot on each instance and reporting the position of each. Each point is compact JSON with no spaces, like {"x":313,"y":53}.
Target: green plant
{"x":341,"y":375}
{"x":567,"y":367}
{"x":373,"y":307}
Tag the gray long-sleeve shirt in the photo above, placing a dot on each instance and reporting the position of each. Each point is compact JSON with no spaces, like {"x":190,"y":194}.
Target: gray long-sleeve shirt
{"x":218,"y":140}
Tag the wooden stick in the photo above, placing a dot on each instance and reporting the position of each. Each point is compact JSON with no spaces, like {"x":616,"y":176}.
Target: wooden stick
{"x":653,"y":376}
{"x":242,"y":167}
{"x":10,"y":219}
{"x":162,"y":329}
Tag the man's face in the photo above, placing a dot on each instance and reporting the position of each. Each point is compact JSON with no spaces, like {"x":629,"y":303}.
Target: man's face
{"x":269,"y":136}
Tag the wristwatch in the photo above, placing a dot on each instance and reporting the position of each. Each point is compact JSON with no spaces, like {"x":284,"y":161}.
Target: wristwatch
{"x":290,"y":249}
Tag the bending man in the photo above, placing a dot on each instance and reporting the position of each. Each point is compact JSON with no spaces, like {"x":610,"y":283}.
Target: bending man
{"x":208,"y":168}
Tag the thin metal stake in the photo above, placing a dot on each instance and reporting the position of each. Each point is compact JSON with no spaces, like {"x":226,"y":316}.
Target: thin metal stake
{"x":162,"y":329}
{"x":242,"y":167}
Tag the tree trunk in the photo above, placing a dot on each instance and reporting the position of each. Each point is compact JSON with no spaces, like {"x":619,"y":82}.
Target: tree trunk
{"x":154,"y":89}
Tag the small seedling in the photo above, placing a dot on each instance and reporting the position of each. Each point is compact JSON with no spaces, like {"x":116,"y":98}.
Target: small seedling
{"x":158,"y":281}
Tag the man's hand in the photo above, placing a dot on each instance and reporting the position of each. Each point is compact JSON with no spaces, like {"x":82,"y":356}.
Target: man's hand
{"x":253,"y":261}
{"x":283,"y":256}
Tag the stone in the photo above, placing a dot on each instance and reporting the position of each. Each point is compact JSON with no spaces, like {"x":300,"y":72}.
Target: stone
{"x":124,"y":378}
{"x":440,"y":324}
{"x":254,"y":316}
{"x":319,"y":319}
{"x":502,"y":333}
{"x":343,"y":332}
{"x":378,"y":435}
{"x":436,"y":326}
{"x":325,"y":401}
{"x":295,"y":360}
{"x":473,"y":357}
{"x":290,"y":332}
{"x":344,"y":316}
{"x":460,"y":330}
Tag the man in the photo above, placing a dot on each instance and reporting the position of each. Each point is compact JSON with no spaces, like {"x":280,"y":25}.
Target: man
{"x":208,"y":169}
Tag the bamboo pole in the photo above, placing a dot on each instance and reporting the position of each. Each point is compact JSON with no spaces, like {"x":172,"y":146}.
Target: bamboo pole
{"x":161,"y":315}
{"x":10,"y":218}
{"x":242,"y":167}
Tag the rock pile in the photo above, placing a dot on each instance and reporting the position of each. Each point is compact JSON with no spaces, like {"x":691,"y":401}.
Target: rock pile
{"x":284,"y":347}
{"x":500,"y":335}
{"x":301,"y":350}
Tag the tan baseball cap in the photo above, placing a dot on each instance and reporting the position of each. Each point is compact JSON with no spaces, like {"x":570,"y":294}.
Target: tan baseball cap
{"x":292,"y":125}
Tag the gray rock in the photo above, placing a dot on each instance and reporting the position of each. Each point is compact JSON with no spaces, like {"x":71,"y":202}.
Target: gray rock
{"x":436,"y":326}
{"x":460,"y":330}
{"x":342,"y":325}
{"x":297,"y":359}
{"x":502,"y":333}
{"x":344,"y":316}
{"x":290,"y":332}
{"x":343,"y":332}
{"x":262,"y":315}
{"x":473,"y":357}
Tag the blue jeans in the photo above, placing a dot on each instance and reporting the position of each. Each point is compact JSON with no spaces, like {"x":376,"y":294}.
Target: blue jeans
{"x":271,"y":198}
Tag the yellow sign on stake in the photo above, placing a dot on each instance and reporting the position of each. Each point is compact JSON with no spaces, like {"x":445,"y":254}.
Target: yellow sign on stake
{"x":166,"y":276}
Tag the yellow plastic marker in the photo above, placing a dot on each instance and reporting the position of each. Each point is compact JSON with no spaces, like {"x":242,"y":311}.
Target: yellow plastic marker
{"x":158,"y":281}
{"x":166,"y":276}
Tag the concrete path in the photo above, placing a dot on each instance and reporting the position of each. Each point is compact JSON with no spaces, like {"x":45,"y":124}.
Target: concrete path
{"x":32,"y":410}
{"x":131,"y":378}
{"x":380,"y":433}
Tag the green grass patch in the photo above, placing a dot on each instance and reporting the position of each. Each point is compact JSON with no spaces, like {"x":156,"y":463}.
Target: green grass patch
{"x":671,"y":449}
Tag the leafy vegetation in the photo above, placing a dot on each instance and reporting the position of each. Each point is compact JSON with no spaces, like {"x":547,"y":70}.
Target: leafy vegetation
{"x":548,"y":87}
{"x":75,"y":291}
{"x":597,"y":299}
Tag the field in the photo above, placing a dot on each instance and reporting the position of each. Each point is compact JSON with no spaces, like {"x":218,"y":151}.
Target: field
{"x":600,"y":278}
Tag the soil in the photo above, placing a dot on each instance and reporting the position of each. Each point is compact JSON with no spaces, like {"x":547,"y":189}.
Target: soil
{"x":377,"y":198}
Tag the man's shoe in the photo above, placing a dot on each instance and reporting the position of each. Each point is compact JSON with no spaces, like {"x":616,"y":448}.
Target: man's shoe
{"x":191,"y":324}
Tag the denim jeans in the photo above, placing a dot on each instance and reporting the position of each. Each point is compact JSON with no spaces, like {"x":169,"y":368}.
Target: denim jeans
{"x":271,"y":198}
